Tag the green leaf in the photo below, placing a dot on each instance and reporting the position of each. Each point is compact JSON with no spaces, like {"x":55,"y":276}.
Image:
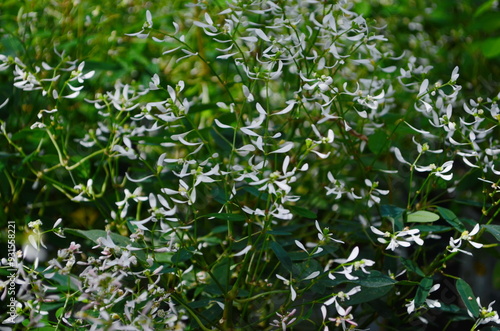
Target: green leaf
{"x":203,"y":107}
{"x":395,"y":214}
{"x":255,"y":192}
{"x":279,"y":233}
{"x":203,"y":303}
{"x":496,"y":280}
{"x":376,"y":279}
{"x":304,"y":212}
{"x":368,"y":294}
{"x":407,"y":283}
{"x":219,"y":229}
{"x":222,"y":272}
{"x":422,"y":216}
{"x":181,"y":255}
{"x":227,"y":217}
{"x":468,"y":297}
{"x":60,"y":311}
{"x":377,"y":142}
{"x":432,"y":228}
{"x":494,"y":230}
{"x":4,"y":272}
{"x":451,"y":218}
{"x":66,"y":283}
{"x":490,"y":47}
{"x":412,"y":266}
{"x":282,"y":256}
{"x":484,"y":8}
{"x":4,"y":155}
{"x":423,"y":291}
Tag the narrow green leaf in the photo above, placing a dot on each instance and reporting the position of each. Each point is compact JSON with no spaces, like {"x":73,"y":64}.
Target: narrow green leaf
{"x":423,"y":291}
{"x":451,"y":218}
{"x":432,"y":228}
{"x":60,"y":311}
{"x":391,"y":211}
{"x":181,"y":255}
{"x":376,"y":279}
{"x":219,"y":229}
{"x":227,"y":217}
{"x":484,"y":8}
{"x":494,"y":230}
{"x":496,"y":280}
{"x":4,"y":155}
{"x":407,"y":283}
{"x":422,"y":216}
{"x":282,"y":256}
{"x":222,"y":271}
{"x":468,"y":297}
{"x":394,"y":214}
{"x":279,"y":233}
{"x":377,"y":142}
{"x":303,"y":212}
{"x":490,"y":47}
{"x":412,"y":266}
{"x":369,"y":294}
{"x":203,"y":303}
{"x":255,"y":192}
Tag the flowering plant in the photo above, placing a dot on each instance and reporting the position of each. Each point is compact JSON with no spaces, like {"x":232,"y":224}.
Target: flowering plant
{"x":276,"y":165}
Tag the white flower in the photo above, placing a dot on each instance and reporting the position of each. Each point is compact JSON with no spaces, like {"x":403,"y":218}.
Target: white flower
{"x":293,"y":294}
{"x":361,"y":264}
{"x":342,"y":296}
{"x":410,"y":306}
{"x":338,"y":188}
{"x":466,"y":236}
{"x":302,"y":247}
{"x":344,"y":317}
{"x":284,"y":320}
{"x":146,"y":26}
{"x":438,"y":171}
{"x":374,"y":192}
{"x":278,"y":182}
{"x":486,"y":315}
{"x":454,"y":75}
{"x":324,"y":234}
{"x":79,"y":76}
{"x":155,"y":82}
{"x":400,"y":238}
{"x":349,"y":266}
{"x":136,"y":196}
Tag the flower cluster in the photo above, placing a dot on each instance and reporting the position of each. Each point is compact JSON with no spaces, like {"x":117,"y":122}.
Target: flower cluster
{"x":245,"y":176}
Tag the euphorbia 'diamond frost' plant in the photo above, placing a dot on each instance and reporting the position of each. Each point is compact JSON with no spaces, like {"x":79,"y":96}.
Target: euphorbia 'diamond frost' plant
{"x":282,"y":167}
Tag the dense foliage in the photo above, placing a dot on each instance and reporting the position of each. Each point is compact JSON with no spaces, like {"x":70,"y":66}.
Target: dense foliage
{"x":249,"y":165}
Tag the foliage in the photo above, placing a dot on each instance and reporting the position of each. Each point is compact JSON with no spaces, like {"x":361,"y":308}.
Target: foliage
{"x":246,"y":165}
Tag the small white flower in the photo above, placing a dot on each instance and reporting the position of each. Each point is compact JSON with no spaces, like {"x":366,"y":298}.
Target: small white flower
{"x":438,"y":171}
{"x":324,"y":235}
{"x":344,"y":317}
{"x":400,"y":238}
{"x":430,"y":303}
{"x":284,"y":320}
{"x":487,"y":315}
{"x":293,"y":294}
{"x":465,"y":236}
{"x":342,"y":296}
